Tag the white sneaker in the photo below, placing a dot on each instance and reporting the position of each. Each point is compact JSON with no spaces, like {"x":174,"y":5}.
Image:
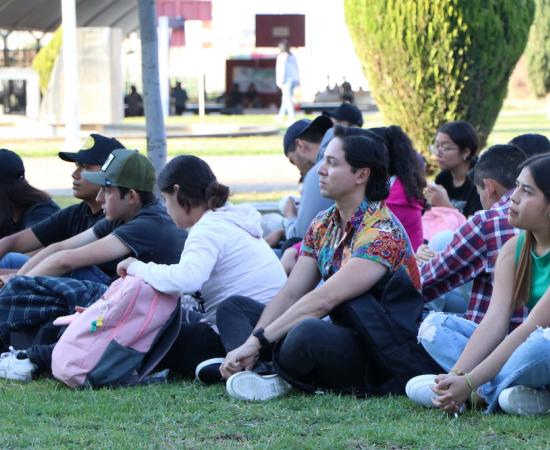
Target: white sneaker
{"x":419,"y":390}
{"x":251,"y":386}
{"x":15,"y":365}
{"x":524,"y":401}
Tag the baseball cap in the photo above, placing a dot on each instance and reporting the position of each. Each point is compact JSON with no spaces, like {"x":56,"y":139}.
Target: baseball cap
{"x":125,"y":168}
{"x":95,"y":150}
{"x":348,"y":112}
{"x":294,"y":131}
{"x":11,"y":167}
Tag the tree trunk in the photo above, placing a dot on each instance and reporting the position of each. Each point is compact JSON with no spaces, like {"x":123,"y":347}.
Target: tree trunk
{"x":154,"y":119}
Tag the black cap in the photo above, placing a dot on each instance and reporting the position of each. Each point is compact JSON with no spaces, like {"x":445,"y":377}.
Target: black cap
{"x":95,"y":150}
{"x":299,"y":127}
{"x":11,"y":167}
{"x":348,"y":112}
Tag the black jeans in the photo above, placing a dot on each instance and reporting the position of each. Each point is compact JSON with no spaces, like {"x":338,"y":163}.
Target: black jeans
{"x":314,"y":351}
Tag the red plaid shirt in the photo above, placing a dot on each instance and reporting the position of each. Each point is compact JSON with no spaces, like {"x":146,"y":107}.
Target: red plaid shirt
{"x":472,"y":255}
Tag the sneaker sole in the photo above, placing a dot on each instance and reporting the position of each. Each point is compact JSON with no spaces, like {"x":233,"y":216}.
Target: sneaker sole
{"x":524,"y":401}
{"x":205,"y":363}
{"x":250,"y":386}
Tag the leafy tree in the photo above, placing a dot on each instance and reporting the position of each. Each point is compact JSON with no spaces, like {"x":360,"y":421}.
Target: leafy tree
{"x":433,"y":61}
{"x":538,"y":50}
{"x":45,"y":59}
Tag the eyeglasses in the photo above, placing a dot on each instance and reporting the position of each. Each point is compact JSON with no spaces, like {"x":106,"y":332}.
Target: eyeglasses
{"x":442,"y":148}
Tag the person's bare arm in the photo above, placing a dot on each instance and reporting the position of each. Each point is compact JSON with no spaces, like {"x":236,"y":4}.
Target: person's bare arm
{"x":495,"y":323}
{"x":24,"y":241}
{"x":96,"y":252}
{"x":79,"y":240}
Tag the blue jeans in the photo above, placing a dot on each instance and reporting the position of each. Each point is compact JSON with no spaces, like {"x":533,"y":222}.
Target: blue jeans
{"x":13,"y":261}
{"x":90,"y":273}
{"x":444,"y":337}
{"x":456,"y":300}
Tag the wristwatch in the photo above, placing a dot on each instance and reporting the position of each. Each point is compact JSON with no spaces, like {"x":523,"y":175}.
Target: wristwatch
{"x":259,"y":334}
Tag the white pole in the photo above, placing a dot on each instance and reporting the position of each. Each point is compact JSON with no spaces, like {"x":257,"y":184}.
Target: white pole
{"x":70,"y":74}
{"x":164,"y":52}
{"x":200,"y":92}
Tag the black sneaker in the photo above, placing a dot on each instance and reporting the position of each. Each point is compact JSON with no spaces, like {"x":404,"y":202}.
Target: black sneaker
{"x":208,"y":372}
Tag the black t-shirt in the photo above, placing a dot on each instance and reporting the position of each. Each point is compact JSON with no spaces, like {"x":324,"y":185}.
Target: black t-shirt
{"x":66,"y":223}
{"x":35,"y":214}
{"x":464,"y":198}
{"x":151,"y":236}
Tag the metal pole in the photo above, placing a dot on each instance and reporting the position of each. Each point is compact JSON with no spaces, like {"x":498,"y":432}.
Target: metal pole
{"x":164,"y":52}
{"x":70,"y":74}
{"x":154,"y":119}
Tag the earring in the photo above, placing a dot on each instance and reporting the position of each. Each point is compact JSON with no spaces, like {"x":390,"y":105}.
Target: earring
{"x":465,"y":158}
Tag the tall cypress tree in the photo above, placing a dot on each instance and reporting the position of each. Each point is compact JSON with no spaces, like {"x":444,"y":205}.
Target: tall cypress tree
{"x":433,"y":61}
{"x":538,"y":50}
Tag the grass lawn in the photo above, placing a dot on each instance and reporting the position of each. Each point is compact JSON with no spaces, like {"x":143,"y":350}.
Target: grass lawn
{"x":45,"y":414}
{"x":509,"y":124}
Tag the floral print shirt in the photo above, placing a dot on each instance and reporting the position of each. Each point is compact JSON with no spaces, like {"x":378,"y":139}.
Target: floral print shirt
{"x":372,"y":233}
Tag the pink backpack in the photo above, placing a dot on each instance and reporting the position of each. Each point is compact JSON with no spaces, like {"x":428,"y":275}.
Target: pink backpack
{"x":120,"y":338}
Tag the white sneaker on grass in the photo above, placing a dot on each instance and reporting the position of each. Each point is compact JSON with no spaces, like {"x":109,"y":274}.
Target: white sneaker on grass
{"x":419,"y":390}
{"x":249,"y":385}
{"x":16,"y":365}
{"x":524,"y":401}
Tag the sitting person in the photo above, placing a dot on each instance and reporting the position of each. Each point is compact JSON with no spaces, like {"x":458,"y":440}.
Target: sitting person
{"x":69,"y":221}
{"x":455,"y":147}
{"x":532,"y":144}
{"x":301,"y":146}
{"x":224,"y":255}
{"x":472,"y":252}
{"x":21,"y":205}
{"x":407,"y":182}
{"x":354,"y":246}
{"x":485,"y":364}
{"x":135,"y":224}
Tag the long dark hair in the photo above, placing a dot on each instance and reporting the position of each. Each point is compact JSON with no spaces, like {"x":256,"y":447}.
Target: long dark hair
{"x":198,"y":184}
{"x":539,"y":168}
{"x":405,"y":162}
{"x":365,"y":149}
{"x":17,"y":197}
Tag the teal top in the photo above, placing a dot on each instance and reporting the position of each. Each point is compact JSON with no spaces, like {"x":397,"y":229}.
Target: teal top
{"x":540,"y":273}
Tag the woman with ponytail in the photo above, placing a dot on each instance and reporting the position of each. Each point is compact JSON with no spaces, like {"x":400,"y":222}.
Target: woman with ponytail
{"x":224,"y":255}
{"x":484,"y":363}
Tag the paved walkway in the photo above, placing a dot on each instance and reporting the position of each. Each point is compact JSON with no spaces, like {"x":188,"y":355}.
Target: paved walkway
{"x":240,"y":173}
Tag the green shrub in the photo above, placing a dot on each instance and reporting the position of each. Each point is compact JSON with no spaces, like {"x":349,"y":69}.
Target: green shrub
{"x":538,"y":50}
{"x":433,"y":61}
{"x":45,"y":59}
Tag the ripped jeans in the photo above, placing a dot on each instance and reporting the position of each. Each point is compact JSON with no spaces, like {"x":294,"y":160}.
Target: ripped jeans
{"x":444,"y":337}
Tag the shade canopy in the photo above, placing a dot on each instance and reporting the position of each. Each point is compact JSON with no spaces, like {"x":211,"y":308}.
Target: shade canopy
{"x":45,"y":15}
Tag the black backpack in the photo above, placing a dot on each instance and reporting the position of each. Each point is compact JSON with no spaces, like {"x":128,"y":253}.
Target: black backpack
{"x":387,"y":323}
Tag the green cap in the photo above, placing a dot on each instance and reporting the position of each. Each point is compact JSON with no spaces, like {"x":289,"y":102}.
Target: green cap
{"x":125,"y":168}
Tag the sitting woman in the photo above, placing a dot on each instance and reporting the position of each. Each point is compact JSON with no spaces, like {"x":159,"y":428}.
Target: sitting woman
{"x":21,"y":205}
{"x":224,"y":255}
{"x":484,"y":363}
{"x":353,"y":246}
{"x":455,"y":147}
{"x":407,"y":182}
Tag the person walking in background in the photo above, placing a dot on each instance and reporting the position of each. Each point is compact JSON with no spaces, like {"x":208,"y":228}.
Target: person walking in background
{"x":287,"y":77}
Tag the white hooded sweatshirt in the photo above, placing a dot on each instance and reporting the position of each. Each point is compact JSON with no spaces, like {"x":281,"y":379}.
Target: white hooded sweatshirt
{"x":224,"y":255}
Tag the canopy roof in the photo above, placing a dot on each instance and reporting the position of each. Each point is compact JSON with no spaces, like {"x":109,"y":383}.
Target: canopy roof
{"x":45,"y":15}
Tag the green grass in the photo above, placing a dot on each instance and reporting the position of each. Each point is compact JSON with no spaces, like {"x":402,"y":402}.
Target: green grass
{"x":45,"y":414}
{"x":250,"y":197}
{"x":509,"y":124}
